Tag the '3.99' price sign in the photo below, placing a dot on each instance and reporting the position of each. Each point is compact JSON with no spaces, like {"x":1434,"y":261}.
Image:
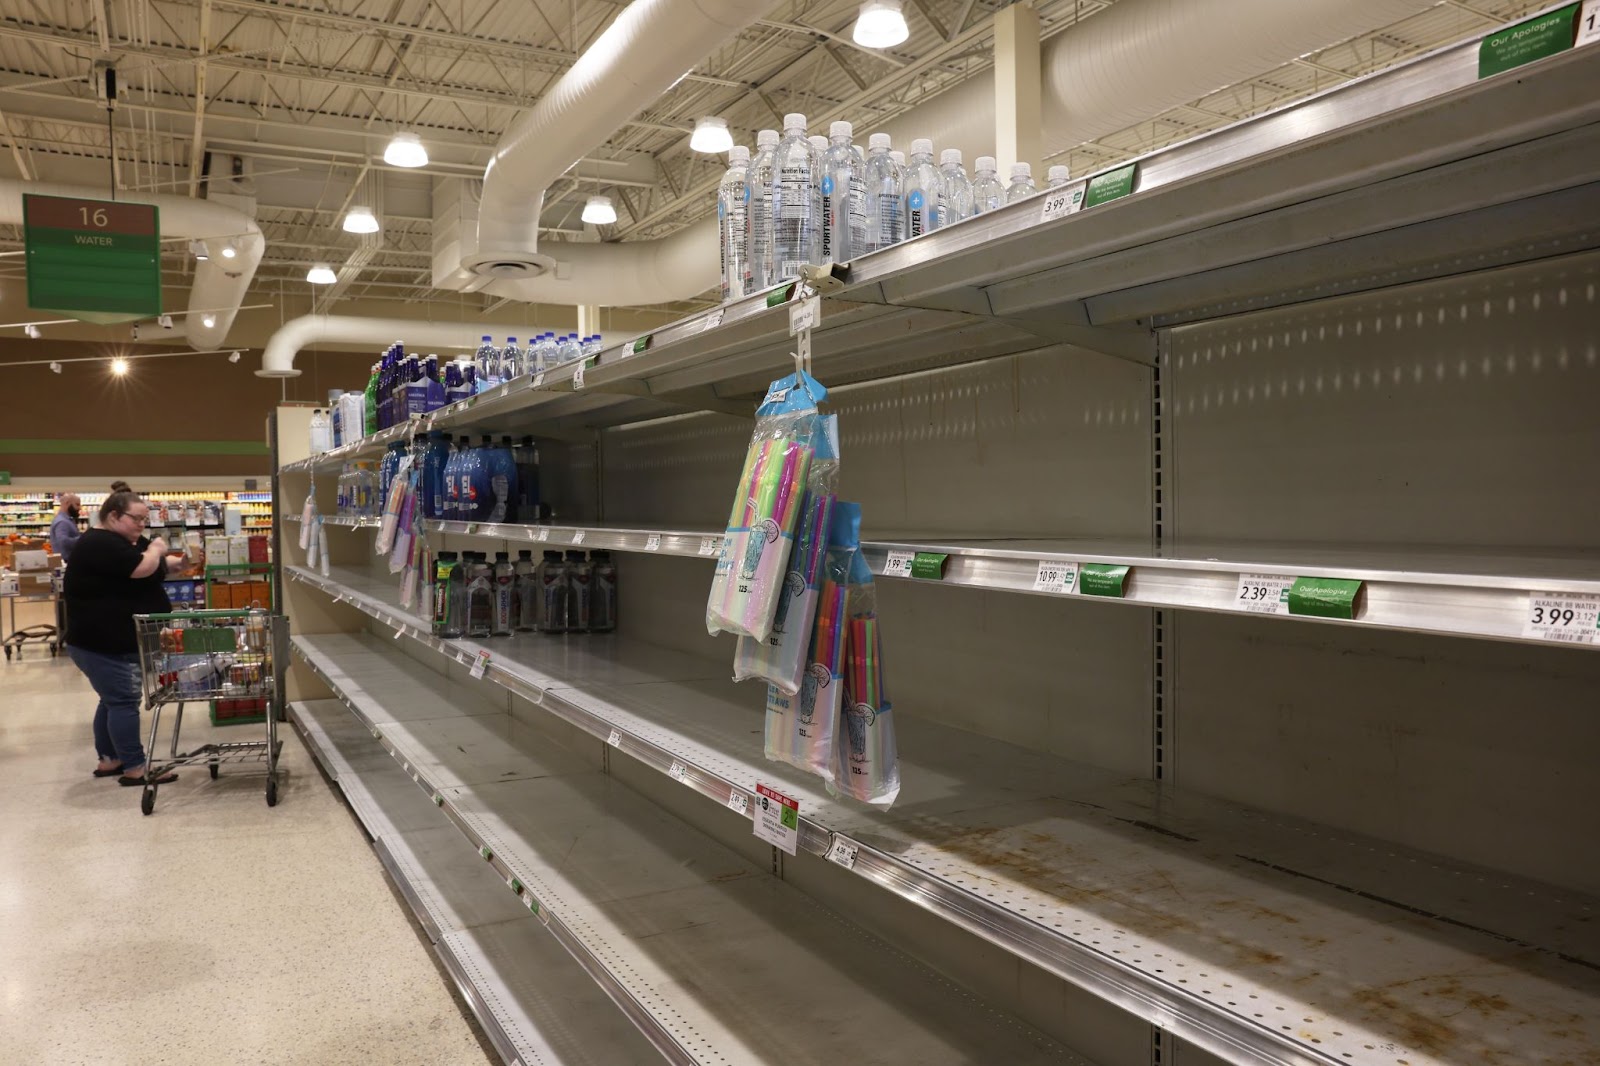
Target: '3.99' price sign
{"x":1563,"y":617}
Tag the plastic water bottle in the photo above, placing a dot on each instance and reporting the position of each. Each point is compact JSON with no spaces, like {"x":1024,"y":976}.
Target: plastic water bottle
{"x":592,"y":345}
{"x":881,"y":186}
{"x":513,"y":364}
{"x":843,"y":206}
{"x":487,"y":361}
{"x":987,"y":192}
{"x":763,"y":169}
{"x":794,"y":193}
{"x":500,"y":480}
{"x":922,"y":184}
{"x":1058,"y":176}
{"x":321,"y":431}
{"x":543,"y":353}
{"x":526,"y":457}
{"x":819,"y":220}
{"x":505,"y":578}
{"x":955,"y":190}
{"x":569,"y":348}
{"x":1022,"y":185}
{"x":733,"y":222}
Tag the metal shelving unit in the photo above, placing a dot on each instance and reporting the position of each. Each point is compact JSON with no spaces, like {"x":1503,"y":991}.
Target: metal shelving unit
{"x":675,"y":928}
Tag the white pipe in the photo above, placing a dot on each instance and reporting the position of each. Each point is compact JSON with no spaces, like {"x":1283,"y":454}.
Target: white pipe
{"x":277,"y":359}
{"x":218,"y":282}
{"x":651,"y":272}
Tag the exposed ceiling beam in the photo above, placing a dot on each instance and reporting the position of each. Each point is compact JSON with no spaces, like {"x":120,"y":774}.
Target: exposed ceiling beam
{"x":197,"y":146}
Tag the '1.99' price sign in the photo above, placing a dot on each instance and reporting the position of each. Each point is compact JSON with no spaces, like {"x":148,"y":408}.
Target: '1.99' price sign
{"x":1564,"y":617}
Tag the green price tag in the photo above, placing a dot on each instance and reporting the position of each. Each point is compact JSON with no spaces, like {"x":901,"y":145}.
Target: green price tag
{"x":1324,"y":597}
{"x":1523,"y":43}
{"x":516,"y":886}
{"x":1102,"y":579}
{"x":780,"y":296}
{"x":1112,"y":185}
{"x":928,"y":565}
{"x":640,"y":344}
{"x":789,"y":817}
{"x":485,"y":852}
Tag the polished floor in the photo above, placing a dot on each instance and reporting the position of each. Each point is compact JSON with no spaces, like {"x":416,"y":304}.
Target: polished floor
{"x":217,"y":930}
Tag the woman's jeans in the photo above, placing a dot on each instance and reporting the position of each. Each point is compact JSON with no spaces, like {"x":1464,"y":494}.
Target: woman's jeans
{"x":116,"y":720}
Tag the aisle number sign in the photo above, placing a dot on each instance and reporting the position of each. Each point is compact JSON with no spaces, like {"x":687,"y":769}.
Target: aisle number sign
{"x":93,"y":260}
{"x":777,"y":819}
{"x":1564,"y":617}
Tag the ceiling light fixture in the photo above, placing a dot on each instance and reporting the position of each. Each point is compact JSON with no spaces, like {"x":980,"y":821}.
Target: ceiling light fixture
{"x":55,"y":368}
{"x":119,"y":366}
{"x":32,"y":331}
{"x":405,"y":150}
{"x":599,"y":212}
{"x":321,"y":274}
{"x":881,"y":24}
{"x":234,"y":358}
{"x":711,"y":135}
{"x":208,"y":321}
{"x":199,"y":251}
{"x":360,"y":220}
{"x":230,"y":250}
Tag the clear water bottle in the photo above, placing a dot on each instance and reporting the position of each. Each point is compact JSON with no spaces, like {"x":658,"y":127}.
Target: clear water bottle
{"x":1058,"y":176}
{"x":921,"y":185}
{"x":525,"y":594}
{"x":505,"y":594}
{"x":733,"y":223}
{"x":881,"y":182}
{"x":568,"y":352}
{"x":480,"y":594}
{"x":955,"y":190}
{"x":1022,"y":185}
{"x":602,"y":593}
{"x":321,"y":432}
{"x":763,"y":169}
{"x":553,"y":593}
{"x":819,"y":220}
{"x":544,"y":355}
{"x":843,"y":205}
{"x":987,"y":192}
{"x":487,"y":362}
{"x":513,"y":363}
{"x":794,"y":192}
{"x":592,"y":345}
{"x":578,"y":591}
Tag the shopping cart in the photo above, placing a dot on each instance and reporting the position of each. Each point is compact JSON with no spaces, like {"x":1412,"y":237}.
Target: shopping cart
{"x":196,"y":656}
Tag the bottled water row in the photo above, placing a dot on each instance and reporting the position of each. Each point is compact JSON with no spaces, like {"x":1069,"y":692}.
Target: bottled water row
{"x":803,"y":199}
{"x":494,"y":366}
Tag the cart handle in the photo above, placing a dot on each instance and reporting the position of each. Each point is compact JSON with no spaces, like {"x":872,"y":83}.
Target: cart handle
{"x":186,"y":615}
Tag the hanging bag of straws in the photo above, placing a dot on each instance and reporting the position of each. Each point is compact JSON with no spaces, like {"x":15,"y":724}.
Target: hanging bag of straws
{"x":866,"y":764}
{"x":754,"y":560}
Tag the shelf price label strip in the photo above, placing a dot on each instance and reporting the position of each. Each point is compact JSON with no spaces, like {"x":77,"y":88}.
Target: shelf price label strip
{"x":1563,"y":617}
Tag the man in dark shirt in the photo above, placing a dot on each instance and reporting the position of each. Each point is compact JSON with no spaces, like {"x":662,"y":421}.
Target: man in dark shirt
{"x":115,"y":573}
{"x":64,"y":528}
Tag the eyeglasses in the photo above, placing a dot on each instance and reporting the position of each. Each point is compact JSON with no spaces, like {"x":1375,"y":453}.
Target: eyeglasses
{"x":142,"y":519}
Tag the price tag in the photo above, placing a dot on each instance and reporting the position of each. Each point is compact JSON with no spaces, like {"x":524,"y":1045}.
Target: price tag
{"x":472,"y":527}
{"x":711,"y":321}
{"x":777,"y":819}
{"x":461,"y":657}
{"x":652,"y":543}
{"x":488,"y":856}
{"x":399,"y":632}
{"x":1263,"y":593}
{"x":544,"y":532}
{"x":538,"y":379}
{"x":709,"y":545}
{"x":438,"y":800}
{"x":678,"y":772}
{"x":480,"y":664}
{"x":1055,"y":575}
{"x":898,"y":564}
{"x":577,"y":536}
{"x":1059,"y":203}
{"x":842,"y":852}
{"x":738,"y":802}
{"x":805,"y":315}
{"x":1563,"y":617}
{"x":577,"y":375}
{"x":514,"y":885}
{"x":615,"y":739}
{"x":1588,"y":24}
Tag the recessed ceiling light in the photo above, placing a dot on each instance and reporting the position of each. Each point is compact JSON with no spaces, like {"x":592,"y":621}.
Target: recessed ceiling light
{"x":208,"y":321}
{"x":230,"y":250}
{"x":599,"y":212}
{"x":321,"y":274}
{"x":881,"y":24}
{"x":405,"y":150}
{"x":360,"y":220}
{"x":711,"y":135}
{"x":119,"y":366}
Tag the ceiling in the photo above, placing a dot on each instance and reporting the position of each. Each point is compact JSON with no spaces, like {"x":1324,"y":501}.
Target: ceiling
{"x":304,"y":95}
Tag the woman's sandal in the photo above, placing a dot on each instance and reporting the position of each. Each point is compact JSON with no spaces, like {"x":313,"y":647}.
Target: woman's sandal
{"x":135,"y":782}
{"x":117,"y":769}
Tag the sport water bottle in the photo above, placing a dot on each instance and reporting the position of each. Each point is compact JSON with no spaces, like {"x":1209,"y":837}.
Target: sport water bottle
{"x":819,"y":220}
{"x":955,"y":191}
{"x":602,"y":593}
{"x":733,"y":223}
{"x":552,"y":594}
{"x":881,"y":179}
{"x":921,"y":190}
{"x":578,"y":573}
{"x":569,"y":348}
{"x":761,"y":172}
{"x":526,"y":457}
{"x":321,"y":432}
{"x":1022,"y":185}
{"x":987,"y":192}
{"x":480,"y":595}
{"x":794,"y":190}
{"x":843,"y":221}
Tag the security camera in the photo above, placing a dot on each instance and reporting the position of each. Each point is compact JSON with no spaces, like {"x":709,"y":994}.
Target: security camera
{"x":234,"y":358}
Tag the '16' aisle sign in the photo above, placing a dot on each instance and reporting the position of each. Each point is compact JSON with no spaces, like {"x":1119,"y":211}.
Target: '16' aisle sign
{"x":93,"y":260}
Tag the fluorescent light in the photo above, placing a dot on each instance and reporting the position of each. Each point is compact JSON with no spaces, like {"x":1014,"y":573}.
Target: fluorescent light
{"x":119,"y":366}
{"x":405,"y":150}
{"x":208,"y":321}
{"x":360,"y":220}
{"x":599,"y":212}
{"x":880,"y":24}
{"x":198,"y":250}
{"x":711,"y":135}
{"x":321,"y":274}
{"x":230,"y":250}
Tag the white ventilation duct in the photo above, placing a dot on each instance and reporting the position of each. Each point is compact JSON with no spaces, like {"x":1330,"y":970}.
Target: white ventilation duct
{"x":277,"y":360}
{"x":219,"y":284}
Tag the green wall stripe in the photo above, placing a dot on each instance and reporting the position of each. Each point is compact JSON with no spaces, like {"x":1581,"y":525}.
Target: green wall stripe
{"x":132,"y":447}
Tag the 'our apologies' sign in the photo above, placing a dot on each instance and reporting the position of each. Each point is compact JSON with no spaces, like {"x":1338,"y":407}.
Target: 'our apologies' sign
{"x":94,"y":260}
{"x":777,"y":818}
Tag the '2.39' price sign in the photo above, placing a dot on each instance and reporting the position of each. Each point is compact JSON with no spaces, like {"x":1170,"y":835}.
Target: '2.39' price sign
{"x":1566,"y":618}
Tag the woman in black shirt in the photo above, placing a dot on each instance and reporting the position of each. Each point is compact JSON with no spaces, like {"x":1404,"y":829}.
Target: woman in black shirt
{"x":115,"y":573}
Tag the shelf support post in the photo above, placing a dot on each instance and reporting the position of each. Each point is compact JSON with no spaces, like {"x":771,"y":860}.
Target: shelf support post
{"x":1016,"y":85}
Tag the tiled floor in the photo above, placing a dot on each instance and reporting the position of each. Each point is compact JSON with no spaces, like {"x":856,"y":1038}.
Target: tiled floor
{"x":217,"y":930}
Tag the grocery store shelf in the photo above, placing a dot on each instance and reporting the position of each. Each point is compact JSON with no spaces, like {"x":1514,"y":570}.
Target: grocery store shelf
{"x":682,"y":932}
{"x":1260,"y":938}
{"x":534,"y":1002}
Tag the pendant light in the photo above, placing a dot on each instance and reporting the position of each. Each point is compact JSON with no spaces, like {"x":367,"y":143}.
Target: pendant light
{"x":711,"y":135}
{"x":360,"y":220}
{"x":405,"y":150}
{"x":599,"y":212}
{"x":321,"y":274}
{"x":881,"y":24}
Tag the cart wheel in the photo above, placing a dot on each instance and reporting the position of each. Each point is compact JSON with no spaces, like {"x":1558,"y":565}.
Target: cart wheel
{"x":147,"y":802}
{"x":272,"y":793}
{"x":213,"y":771}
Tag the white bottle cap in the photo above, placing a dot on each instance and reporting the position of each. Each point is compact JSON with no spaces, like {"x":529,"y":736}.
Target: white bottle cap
{"x":766,"y":138}
{"x":840,"y":129}
{"x":738,"y":154}
{"x":1058,"y":173}
{"x":950,"y":155}
{"x":922,"y":146}
{"x":819,"y":143}
{"x":794,"y":121}
{"x":985,"y":162}
{"x":898,"y":157}
{"x":878,"y":140}
{"x":1021,"y":170}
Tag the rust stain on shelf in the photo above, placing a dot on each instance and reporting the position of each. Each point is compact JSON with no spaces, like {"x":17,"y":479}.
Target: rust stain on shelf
{"x":1417,"y":1030}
